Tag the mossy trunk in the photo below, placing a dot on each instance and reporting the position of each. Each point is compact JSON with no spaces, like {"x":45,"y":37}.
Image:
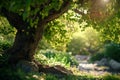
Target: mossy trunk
{"x":25,"y":44}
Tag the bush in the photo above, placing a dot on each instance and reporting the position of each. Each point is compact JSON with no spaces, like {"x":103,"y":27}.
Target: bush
{"x":96,"y":57}
{"x":5,"y":45}
{"x":112,"y":51}
{"x":54,"y":57}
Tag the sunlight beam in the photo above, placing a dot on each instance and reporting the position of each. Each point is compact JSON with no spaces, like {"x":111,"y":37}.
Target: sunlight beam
{"x":106,"y":1}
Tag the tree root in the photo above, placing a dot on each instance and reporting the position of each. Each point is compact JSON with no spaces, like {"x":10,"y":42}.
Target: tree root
{"x":57,"y":69}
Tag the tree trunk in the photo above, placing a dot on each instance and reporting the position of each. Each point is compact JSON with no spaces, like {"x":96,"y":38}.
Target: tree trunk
{"x":25,"y":44}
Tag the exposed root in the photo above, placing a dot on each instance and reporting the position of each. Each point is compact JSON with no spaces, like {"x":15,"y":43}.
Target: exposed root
{"x":57,"y":70}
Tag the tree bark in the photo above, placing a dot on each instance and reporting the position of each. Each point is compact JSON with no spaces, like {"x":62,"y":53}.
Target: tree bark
{"x":25,"y":44}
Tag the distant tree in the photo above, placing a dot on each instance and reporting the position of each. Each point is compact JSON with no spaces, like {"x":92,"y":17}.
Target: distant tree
{"x":85,"y":42}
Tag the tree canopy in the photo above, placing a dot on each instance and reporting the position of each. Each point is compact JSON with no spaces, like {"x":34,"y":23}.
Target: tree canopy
{"x":33,"y":12}
{"x":103,"y":15}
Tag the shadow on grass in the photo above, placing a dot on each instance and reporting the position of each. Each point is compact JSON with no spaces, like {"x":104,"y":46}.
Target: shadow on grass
{"x":10,"y":74}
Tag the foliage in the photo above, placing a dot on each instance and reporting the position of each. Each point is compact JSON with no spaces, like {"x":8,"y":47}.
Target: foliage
{"x":97,"y":57}
{"x":9,"y":73}
{"x":109,"y":50}
{"x":30,"y":19}
{"x":76,"y":45}
{"x":34,"y":12}
{"x":102,"y":15}
{"x":5,"y":27}
{"x":85,"y":42}
{"x":85,"y":77}
{"x":105,"y":21}
{"x":112,"y":50}
{"x":7,"y":34}
{"x":53,"y":57}
{"x":80,"y":77}
{"x":111,"y":77}
{"x":50,"y":77}
{"x":16,"y":74}
{"x":59,"y":32}
{"x":29,"y":9}
{"x":110,"y":29}
{"x":44,"y":44}
{"x":3,"y":60}
{"x":4,"y":45}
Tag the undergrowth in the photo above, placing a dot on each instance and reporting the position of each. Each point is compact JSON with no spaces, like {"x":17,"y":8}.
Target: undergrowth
{"x":53,"y":57}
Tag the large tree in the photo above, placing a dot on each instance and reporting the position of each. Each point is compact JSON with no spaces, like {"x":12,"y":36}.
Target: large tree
{"x":30,"y":18}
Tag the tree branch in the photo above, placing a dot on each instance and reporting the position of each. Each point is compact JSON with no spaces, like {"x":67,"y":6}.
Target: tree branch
{"x":55,"y":14}
{"x":14,"y":19}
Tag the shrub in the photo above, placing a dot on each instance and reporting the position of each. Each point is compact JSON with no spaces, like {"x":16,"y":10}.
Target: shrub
{"x":112,"y":51}
{"x":97,"y":56}
{"x":54,"y":57}
{"x":41,"y":58}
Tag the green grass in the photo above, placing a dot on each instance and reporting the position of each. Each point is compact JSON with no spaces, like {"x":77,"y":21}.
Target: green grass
{"x":111,"y":77}
{"x":6,"y":73}
{"x":78,"y":77}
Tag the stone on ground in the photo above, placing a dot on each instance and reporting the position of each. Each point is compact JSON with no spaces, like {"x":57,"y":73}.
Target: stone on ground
{"x":27,"y":66}
{"x":114,"y":64}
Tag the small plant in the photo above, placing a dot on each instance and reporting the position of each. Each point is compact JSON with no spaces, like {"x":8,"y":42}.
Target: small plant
{"x":53,"y":57}
{"x":41,"y":58}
